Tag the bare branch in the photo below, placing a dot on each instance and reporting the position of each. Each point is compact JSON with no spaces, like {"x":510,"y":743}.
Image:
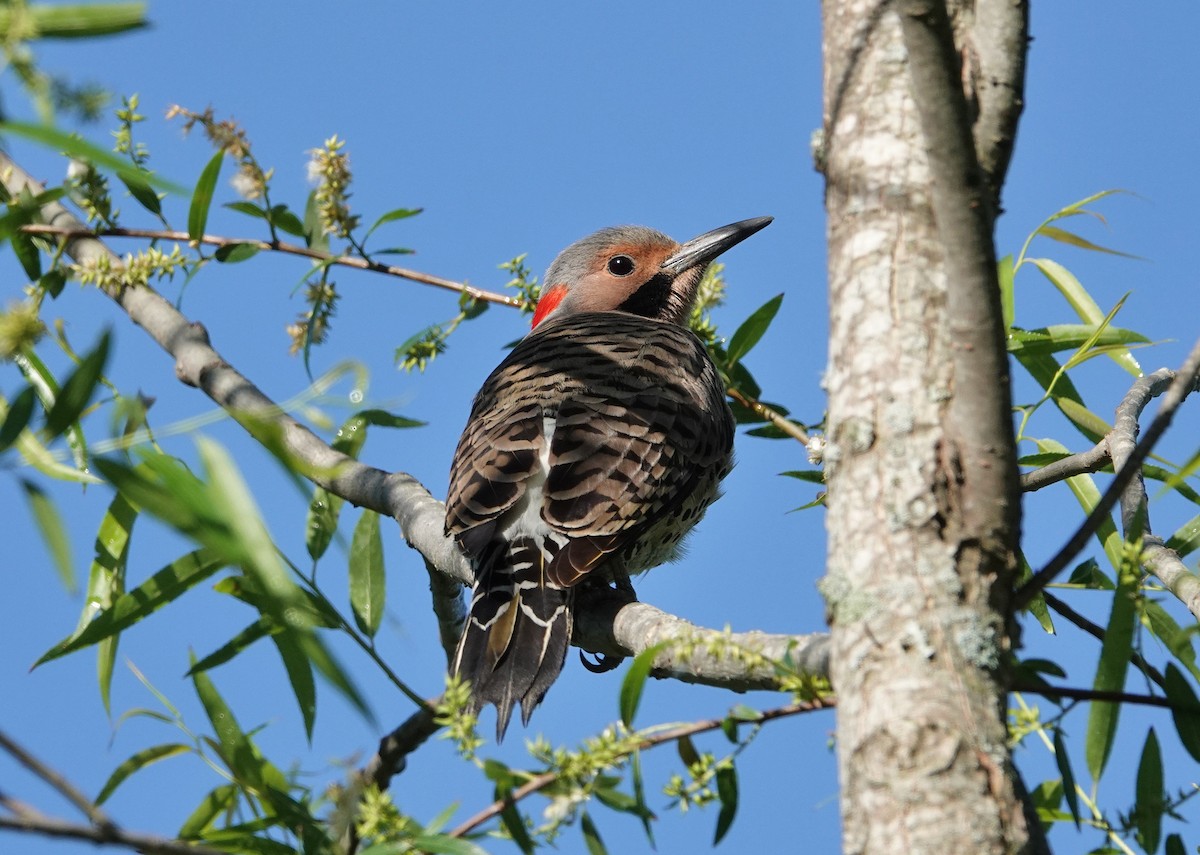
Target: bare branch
{"x":146,"y":843}
{"x":1083,"y":463}
{"x":1129,"y":458}
{"x":81,"y":231}
{"x":540,"y":782}
{"x":65,"y":788}
{"x":1100,"y":695}
{"x":102,"y":829}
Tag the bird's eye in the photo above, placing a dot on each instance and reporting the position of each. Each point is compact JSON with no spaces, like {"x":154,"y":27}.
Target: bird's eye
{"x":620,"y":265}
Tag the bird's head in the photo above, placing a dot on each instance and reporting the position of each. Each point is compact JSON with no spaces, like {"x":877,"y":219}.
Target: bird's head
{"x":636,"y":270}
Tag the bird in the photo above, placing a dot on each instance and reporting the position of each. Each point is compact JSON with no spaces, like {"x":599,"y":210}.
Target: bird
{"x":589,"y":453}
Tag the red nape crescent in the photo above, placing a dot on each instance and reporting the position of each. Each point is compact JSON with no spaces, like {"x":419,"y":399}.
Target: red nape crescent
{"x":548,"y":302}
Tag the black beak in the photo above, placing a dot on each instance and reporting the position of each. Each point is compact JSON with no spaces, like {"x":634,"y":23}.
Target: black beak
{"x":701,"y":250}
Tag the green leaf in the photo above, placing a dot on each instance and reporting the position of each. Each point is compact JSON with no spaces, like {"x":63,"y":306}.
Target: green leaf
{"x":687,"y":751}
{"x":202,"y":196}
{"x":1175,"y":845}
{"x":52,"y":282}
{"x":106,"y":582}
{"x":639,"y":794}
{"x":314,"y":230}
{"x":1037,"y":606}
{"x":72,"y":146}
{"x":752,"y":329}
{"x":727,"y":792}
{"x":163,"y":587}
{"x":232,"y":253}
{"x":635,"y":681}
{"x":17,"y":418}
{"x":80,"y":20}
{"x":256,"y":631}
{"x":367,"y":581}
{"x":212,"y":806}
{"x":1004,"y":274}
{"x":1068,"y":777}
{"x":28,"y":254}
{"x":1046,"y":798}
{"x":812,"y":476}
{"x":138,"y":761}
{"x":1083,"y":304}
{"x":1072,"y":239}
{"x":1148,"y":809}
{"x":284,"y":220}
{"x":1185,"y":709}
{"x":77,"y":391}
{"x":591,"y":835}
{"x":514,"y":824}
{"x":1059,"y":337}
{"x":53,"y":531}
{"x":1045,"y":369}
{"x":1110,"y":673}
{"x":139,"y":188}
{"x":300,"y":675}
{"x":392,"y":216}
{"x":235,"y":747}
{"x":441,"y":844}
{"x":1174,"y":637}
{"x":1186,"y":538}
{"x":247,"y":208}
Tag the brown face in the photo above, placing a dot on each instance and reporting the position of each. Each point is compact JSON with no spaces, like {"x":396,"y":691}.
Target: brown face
{"x":624,"y":276}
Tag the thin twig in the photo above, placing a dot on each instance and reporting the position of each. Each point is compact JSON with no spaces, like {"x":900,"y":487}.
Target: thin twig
{"x":102,"y":829}
{"x":149,"y":844}
{"x":74,"y":232}
{"x":1099,"y":695}
{"x":1184,"y":383}
{"x":1097,"y":632}
{"x":68,"y":791}
{"x":540,"y":782}
{"x":71,"y":232}
{"x":777,"y":419}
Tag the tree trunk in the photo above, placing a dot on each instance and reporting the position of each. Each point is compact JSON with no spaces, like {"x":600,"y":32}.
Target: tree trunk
{"x":920,"y":462}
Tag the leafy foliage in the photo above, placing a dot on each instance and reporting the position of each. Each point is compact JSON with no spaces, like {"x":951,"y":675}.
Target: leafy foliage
{"x":255,"y":805}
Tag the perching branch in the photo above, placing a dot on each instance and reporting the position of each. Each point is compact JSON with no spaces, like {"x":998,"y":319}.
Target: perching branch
{"x":627,"y":632}
{"x":1129,"y":454}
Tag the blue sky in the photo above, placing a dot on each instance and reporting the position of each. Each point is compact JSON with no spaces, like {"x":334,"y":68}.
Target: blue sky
{"x":519,"y":128}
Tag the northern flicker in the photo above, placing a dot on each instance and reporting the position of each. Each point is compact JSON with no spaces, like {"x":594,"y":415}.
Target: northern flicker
{"x":590,"y":451}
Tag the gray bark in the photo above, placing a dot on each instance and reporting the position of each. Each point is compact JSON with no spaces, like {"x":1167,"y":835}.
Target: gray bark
{"x":920,"y":464}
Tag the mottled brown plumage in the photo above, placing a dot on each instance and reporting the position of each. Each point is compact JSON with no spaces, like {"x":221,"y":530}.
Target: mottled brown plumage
{"x":590,"y":451}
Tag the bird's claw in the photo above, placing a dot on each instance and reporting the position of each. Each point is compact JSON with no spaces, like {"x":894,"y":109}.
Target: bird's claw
{"x":603,"y":663}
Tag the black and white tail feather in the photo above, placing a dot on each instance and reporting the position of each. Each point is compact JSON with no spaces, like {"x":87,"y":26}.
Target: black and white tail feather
{"x":515,"y":641}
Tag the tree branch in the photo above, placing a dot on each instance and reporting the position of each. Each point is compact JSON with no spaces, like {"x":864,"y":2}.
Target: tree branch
{"x":540,"y":782}
{"x":1083,"y":463}
{"x":625,"y":632}
{"x":994,"y":34}
{"x":102,"y":829}
{"x":1100,"y":695}
{"x":82,"y":231}
{"x":980,"y":406}
{"x":64,"y":787}
{"x":1128,"y":455}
